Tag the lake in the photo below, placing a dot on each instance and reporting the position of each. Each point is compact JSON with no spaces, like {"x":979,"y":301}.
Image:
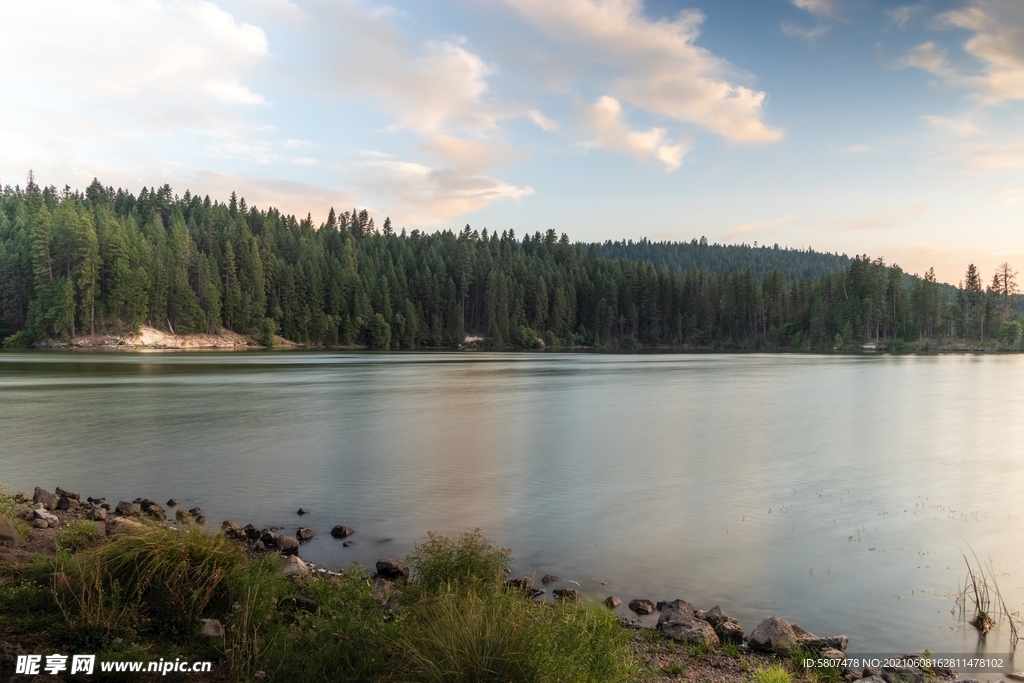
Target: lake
{"x":838,"y":492}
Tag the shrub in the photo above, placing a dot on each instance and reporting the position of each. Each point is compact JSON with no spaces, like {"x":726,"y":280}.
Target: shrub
{"x":469,"y":559}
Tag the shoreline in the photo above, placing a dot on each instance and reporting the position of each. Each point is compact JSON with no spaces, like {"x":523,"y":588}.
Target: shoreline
{"x":150,"y":339}
{"x":706,"y":644}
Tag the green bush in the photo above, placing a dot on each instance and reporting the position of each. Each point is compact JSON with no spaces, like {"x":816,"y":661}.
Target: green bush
{"x":479,"y":637}
{"x":19,"y":340}
{"x":165,"y":575}
{"x":469,"y":559}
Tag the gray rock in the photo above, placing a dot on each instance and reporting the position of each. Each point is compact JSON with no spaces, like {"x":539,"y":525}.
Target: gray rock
{"x":48,"y":517}
{"x":172,"y":502}
{"x":566,"y":594}
{"x":304,"y":534}
{"x":69,"y":504}
{"x":295,"y":568}
{"x":97,"y":515}
{"x":200,"y":520}
{"x":612,"y":601}
{"x":195,"y":512}
{"x":676,"y":610}
{"x":341,"y":531}
{"x":348,"y":544}
{"x":904,"y":674}
{"x":269,"y":538}
{"x":716,"y":616}
{"x":392,"y":568}
{"x":690,"y":630}
{"x":67,"y":494}
{"x":40,"y":524}
{"x":126,"y":509}
{"x":25,"y":514}
{"x":8,"y":534}
{"x":774,"y":634}
{"x":251,"y":532}
{"x":153,"y":510}
{"x":700,"y":614}
{"x":288,"y":545}
{"x":729,"y":632}
{"x":181,"y":514}
{"x":49,"y":500}
{"x":871,"y":672}
{"x":307,"y":603}
{"x":211,"y":628}
{"x":233,"y":530}
{"x":1016,"y":676}
{"x":549,"y":578}
{"x":641,"y":606}
{"x":258,"y":546}
{"x":874,"y":678}
{"x":809,"y":640}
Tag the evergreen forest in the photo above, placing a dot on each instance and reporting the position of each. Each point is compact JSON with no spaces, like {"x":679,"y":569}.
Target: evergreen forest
{"x":107,"y":261}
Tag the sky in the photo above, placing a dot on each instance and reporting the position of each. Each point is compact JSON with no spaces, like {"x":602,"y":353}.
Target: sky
{"x":854,"y":126}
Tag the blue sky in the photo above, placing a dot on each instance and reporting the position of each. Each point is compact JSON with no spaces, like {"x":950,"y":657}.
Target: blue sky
{"x":862,"y":126}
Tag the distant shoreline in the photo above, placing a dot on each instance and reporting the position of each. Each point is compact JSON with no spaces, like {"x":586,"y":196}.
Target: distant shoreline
{"x":152,"y":339}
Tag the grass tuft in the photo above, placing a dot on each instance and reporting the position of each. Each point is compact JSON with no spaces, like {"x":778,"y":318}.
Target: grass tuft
{"x":772,"y":674}
{"x":467,"y":560}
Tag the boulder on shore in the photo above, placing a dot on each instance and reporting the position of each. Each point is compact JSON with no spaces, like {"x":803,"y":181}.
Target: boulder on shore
{"x":294,"y":568}
{"x":67,"y":494}
{"x":126,"y":509}
{"x":690,"y":630}
{"x":774,"y":634}
{"x":566,"y":594}
{"x":641,"y":606}
{"x":392,"y":568}
{"x":341,"y":531}
{"x":123,"y":525}
{"x":304,"y":534}
{"x":49,"y":500}
{"x":676,"y":610}
{"x":8,"y":534}
{"x":729,"y":632}
{"x":716,"y":616}
{"x":48,"y":517}
{"x":288,"y":545}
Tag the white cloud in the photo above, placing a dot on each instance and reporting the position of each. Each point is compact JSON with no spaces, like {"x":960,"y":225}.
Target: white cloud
{"x":605,"y":118}
{"x":997,"y":42}
{"x":856,"y":149}
{"x":426,"y":87}
{"x":544,"y":122}
{"x":958,"y":126}
{"x":900,"y":16}
{"x":655,"y":65}
{"x":811,"y":35}
{"x":418,"y":194}
{"x":825,"y":8}
{"x":183,"y":49}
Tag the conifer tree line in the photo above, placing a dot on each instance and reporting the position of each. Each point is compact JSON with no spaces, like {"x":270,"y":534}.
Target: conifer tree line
{"x":107,"y":261}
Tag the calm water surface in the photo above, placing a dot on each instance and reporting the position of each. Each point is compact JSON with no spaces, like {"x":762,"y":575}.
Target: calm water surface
{"x":838,"y":492}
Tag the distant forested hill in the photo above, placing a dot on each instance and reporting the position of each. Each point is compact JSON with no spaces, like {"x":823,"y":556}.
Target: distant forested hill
{"x":720,"y":258}
{"x":107,"y":261}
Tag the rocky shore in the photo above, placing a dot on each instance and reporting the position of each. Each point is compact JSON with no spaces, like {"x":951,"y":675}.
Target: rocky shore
{"x":687,"y":643}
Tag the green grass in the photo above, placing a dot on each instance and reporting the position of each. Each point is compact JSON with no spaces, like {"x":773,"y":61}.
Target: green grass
{"x":467,"y":560}
{"x":731,"y":650}
{"x":8,"y":507}
{"x":772,"y":674}
{"x":163,"y":577}
{"x":77,"y":535}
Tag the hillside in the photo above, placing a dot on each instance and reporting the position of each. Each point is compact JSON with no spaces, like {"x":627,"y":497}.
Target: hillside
{"x":720,"y":258}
